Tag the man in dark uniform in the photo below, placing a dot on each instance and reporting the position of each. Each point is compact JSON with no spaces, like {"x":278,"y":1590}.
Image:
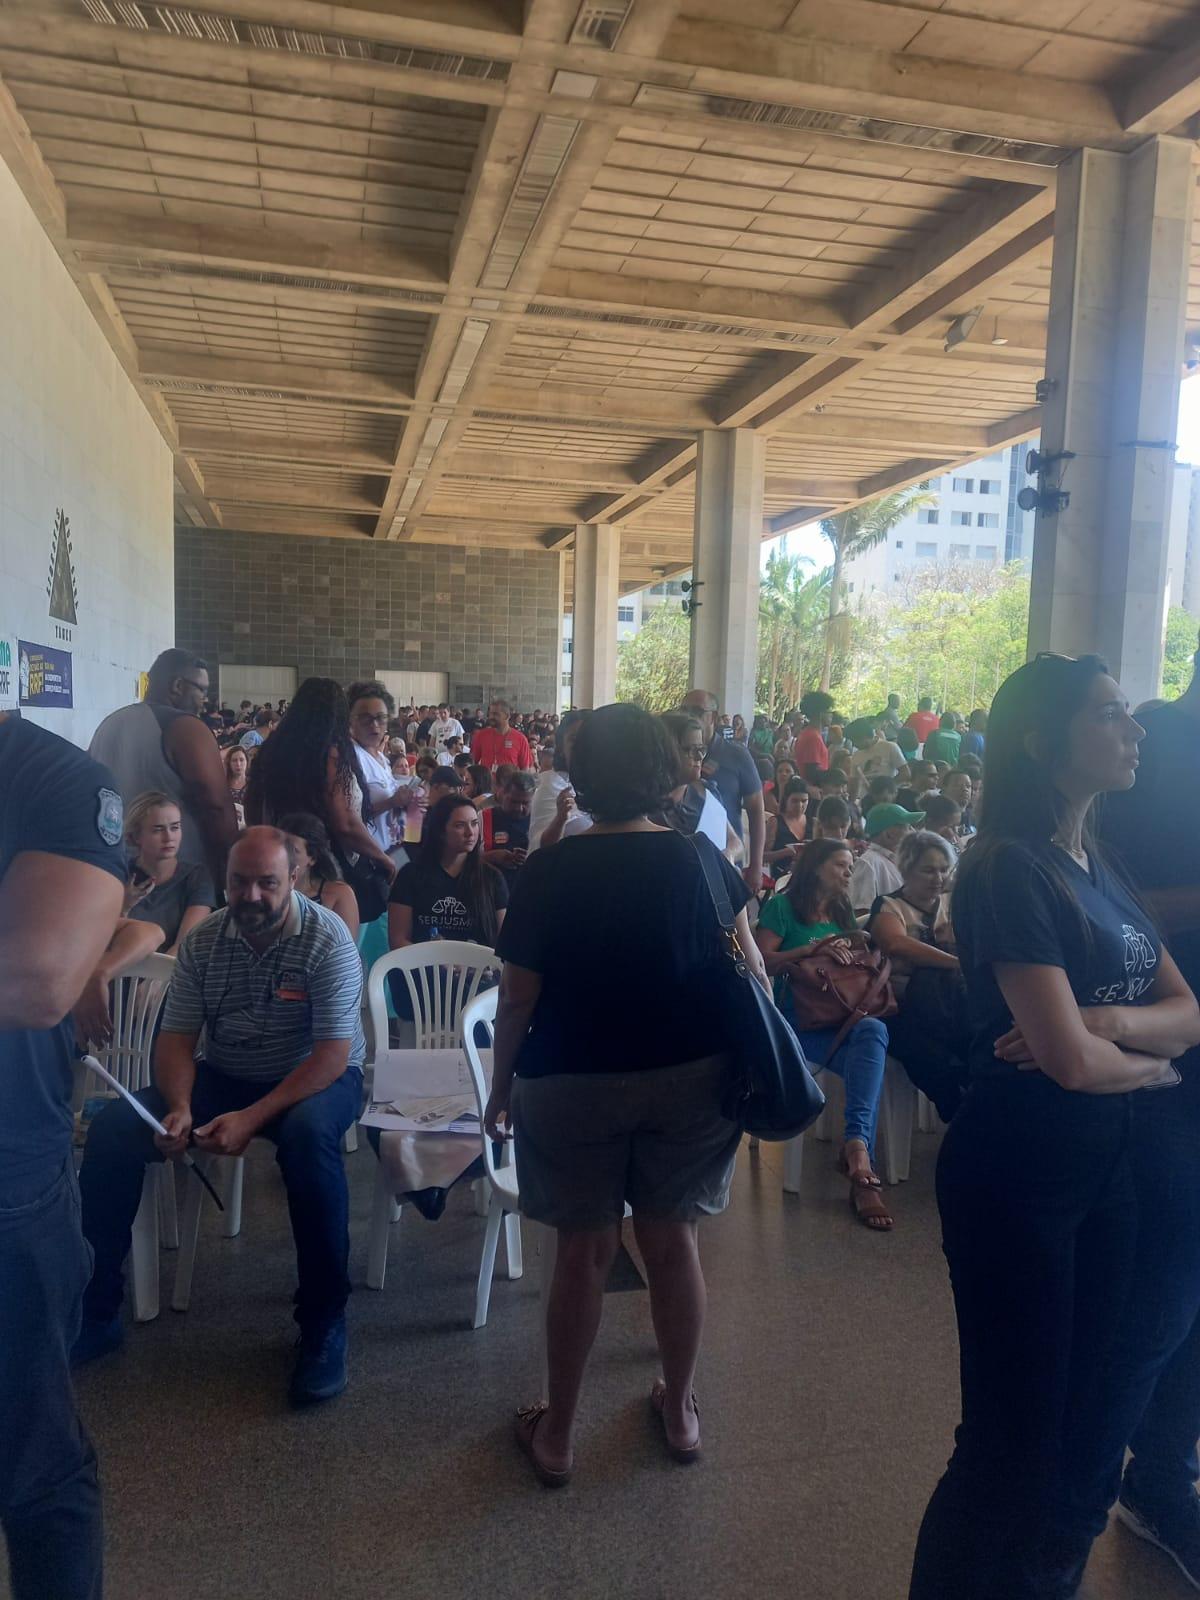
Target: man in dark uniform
{"x":61,"y":875}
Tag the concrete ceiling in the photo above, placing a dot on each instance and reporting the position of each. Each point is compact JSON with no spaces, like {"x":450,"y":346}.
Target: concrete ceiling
{"x":477,"y":270}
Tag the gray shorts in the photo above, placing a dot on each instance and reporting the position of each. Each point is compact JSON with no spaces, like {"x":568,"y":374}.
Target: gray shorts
{"x":587,"y":1142}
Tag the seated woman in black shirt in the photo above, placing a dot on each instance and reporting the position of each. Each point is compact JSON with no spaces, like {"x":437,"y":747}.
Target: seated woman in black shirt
{"x":1073,"y":1008}
{"x":791,"y":828}
{"x":611,"y":1021}
{"x":448,"y":891}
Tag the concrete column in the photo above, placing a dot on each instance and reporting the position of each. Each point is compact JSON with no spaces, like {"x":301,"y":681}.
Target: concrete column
{"x":726,"y":555}
{"x":1114,"y":351}
{"x":594,"y":625}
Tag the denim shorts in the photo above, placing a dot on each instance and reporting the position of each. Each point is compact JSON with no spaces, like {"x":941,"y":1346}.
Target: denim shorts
{"x":587,"y":1142}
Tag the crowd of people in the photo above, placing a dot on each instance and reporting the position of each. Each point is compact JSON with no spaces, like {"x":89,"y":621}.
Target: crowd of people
{"x":927,"y":890}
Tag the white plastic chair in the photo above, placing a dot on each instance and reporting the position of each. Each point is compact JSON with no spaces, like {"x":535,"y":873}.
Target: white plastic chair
{"x":138,"y":996}
{"x":442,"y":977}
{"x":503,"y":1198}
{"x":897,"y":1116}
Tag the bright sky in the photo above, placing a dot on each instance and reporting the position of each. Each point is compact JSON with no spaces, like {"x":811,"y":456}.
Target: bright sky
{"x":808,"y":541}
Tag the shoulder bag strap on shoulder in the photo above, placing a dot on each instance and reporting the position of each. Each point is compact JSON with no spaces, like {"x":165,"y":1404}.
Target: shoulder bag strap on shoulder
{"x":718,"y":893}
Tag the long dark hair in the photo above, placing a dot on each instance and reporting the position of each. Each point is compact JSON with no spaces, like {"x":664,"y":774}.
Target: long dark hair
{"x":316,"y":836}
{"x":477,"y":881}
{"x":804,"y":892}
{"x":290,"y":772}
{"x":1028,"y":731}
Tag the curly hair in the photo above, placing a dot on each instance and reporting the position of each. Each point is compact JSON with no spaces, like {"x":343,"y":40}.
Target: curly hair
{"x":624,"y":764}
{"x":291,"y":770}
{"x":370,"y":689}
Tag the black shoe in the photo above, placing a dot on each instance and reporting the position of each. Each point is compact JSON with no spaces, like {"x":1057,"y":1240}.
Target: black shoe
{"x":1177,"y":1532}
{"x":320,"y":1371}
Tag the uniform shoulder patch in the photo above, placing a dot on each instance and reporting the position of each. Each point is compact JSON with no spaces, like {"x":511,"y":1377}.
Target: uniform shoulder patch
{"x":110,"y":816}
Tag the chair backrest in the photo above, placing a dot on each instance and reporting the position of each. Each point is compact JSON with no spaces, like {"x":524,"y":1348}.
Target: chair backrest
{"x":481,"y":1013}
{"x":443,"y":977}
{"x":138,"y":996}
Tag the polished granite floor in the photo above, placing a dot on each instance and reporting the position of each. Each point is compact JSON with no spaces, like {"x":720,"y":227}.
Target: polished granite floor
{"x":827,"y":1388}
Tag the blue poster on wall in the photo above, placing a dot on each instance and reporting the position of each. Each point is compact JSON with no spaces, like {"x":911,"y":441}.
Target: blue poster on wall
{"x":44,"y":676}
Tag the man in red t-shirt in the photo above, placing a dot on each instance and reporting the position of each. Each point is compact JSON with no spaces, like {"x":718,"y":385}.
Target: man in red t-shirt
{"x":923,"y":720}
{"x":810,"y":749}
{"x":500,"y":744}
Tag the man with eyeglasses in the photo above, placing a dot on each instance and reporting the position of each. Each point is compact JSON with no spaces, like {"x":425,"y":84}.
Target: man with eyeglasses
{"x":160,"y":743}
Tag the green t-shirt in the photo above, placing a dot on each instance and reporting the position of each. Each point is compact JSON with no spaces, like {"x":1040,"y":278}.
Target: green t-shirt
{"x":943,"y":744}
{"x":778,"y":917}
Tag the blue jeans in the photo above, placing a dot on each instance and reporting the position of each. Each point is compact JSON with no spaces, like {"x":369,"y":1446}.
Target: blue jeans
{"x":49,"y":1496}
{"x":859,"y":1063}
{"x":307,"y":1138}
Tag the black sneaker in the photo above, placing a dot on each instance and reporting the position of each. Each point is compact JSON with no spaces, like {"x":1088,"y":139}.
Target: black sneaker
{"x":1176,"y":1532}
{"x":320,"y":1371}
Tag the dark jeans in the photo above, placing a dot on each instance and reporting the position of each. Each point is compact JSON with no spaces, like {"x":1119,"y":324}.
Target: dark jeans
{"x":307,"y":1140}
{"x":49,"y":1495}
{"x":1038,"y":1225}
{"x":1150,"y":1395}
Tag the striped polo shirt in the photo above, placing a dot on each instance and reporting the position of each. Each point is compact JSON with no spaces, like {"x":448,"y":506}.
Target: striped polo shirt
{"x":261,"y":1014}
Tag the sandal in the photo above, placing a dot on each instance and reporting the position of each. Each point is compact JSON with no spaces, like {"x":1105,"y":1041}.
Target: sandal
{"x":866,"y":1200}
{"x":685,"y":1455}
{"x":525,"y":1426}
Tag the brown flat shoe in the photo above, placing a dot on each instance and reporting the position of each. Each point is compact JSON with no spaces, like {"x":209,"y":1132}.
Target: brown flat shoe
{"x":685,"y":1455}
{"x":525,"y":1426}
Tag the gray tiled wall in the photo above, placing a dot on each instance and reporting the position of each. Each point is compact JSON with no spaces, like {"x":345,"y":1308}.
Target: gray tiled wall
{"x":344,"y":608}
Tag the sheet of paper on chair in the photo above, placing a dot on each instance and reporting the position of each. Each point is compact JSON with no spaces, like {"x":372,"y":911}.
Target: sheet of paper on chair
{"x":421,"y":1074}
{"x":439,"y":1114}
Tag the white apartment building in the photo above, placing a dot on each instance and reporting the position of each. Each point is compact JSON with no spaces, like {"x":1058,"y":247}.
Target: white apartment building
{"x":1183,"y":550}
{"x":631,"y":609}
{"x":976,"y":520}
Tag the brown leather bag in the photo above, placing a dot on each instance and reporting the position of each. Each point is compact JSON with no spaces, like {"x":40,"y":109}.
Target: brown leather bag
{"x":829,"y":994}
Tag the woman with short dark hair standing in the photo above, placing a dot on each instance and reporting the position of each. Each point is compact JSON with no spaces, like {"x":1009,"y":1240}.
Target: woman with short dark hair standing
{"x":1074,"y":1007}
{"x":613,"y":1103}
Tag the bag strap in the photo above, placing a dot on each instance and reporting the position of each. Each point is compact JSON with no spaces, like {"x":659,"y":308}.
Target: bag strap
{"x":854,"y":1017}
{"x":718,"y":893}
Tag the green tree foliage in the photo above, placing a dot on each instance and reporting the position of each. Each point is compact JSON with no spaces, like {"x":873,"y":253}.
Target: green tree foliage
{"x":1182,"y":632}
{"x":955,"y":634}
{"x":652,"y":667}
{"x":793,"y":604}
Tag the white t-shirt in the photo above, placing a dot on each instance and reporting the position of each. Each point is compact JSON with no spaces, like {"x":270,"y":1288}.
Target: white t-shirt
{"x":440,"y":731}
{"x":875,"y":873}
{"x":883,"y":759}
{"x":386,"y":827}
{"x":545,"y":803}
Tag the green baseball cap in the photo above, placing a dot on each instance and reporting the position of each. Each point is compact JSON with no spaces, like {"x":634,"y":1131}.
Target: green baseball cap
{"x":880,"y":818}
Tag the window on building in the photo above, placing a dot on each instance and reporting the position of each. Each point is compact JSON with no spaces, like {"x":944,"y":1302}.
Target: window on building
{"x":568,"y":646}
{"x":926,"y":552}
{"x":960,"y":552}
{"x":960,"y":519}
{"x":987,"y":519}
{"x":566,"y":680}
{"x":985,"y":552}
{"x":928,"y":517}
{"x":989,"y":485}
{"x":624,"y":613}
{"x":963,"y":485}
{"x":849,"y":588}
{"x":899,"y":544}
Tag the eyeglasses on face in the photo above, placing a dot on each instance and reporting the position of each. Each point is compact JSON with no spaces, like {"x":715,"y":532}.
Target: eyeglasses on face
{"x":371,"y":716}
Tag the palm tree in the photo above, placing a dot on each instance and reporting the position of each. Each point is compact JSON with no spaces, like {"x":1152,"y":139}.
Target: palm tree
{"x":852,"y":533}
{"x":792,"y":604}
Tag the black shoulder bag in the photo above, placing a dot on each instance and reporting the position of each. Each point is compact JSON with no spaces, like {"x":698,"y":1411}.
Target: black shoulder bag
{"x":770,"y":1093}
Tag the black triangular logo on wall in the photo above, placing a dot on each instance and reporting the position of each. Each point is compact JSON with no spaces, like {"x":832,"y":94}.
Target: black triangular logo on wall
{"x":62,"y":574}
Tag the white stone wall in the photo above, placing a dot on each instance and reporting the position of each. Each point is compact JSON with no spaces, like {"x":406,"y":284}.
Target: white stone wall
{"x":75,"y":437}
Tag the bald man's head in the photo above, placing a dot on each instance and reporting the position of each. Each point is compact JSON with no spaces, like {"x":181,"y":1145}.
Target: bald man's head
{"x":259,"y":882}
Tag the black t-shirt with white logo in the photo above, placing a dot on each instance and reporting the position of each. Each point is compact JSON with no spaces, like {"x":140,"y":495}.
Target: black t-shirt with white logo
{"x":54,"y":800}
{"x":1104,"y":942}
